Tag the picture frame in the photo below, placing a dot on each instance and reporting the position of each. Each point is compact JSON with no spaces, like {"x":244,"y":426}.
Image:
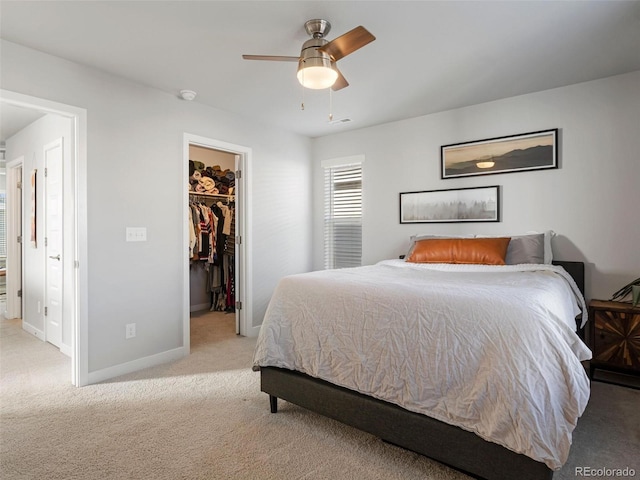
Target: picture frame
{"x":513,"y":153}
{"x":454,"y":205}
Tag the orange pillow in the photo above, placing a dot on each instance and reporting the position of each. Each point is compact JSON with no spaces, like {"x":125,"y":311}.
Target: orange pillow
{"x":483,"y":251}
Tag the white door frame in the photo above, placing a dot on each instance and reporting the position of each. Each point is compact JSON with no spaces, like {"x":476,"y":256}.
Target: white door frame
{"x":14,"y":228}
{"x":75,"y":190}
{"x":243,"y":292}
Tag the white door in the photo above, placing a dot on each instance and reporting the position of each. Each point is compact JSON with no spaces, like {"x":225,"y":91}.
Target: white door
{"x":14,"y":239}
{"x":53,"y":211}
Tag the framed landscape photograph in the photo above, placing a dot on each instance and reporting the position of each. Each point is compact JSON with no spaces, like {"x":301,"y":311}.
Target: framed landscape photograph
{"x":479,"y":204}
{"x":515,"y":153}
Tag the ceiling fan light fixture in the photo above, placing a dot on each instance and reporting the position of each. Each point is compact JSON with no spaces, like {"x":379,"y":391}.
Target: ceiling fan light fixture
{"x":314,"y":67}
{"x":316,"y":77}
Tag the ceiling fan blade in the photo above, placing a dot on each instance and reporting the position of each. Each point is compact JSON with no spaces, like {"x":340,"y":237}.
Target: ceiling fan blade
{"x":340,"y":82}
{"x":275,"y":58}
{"x":348,"y":43}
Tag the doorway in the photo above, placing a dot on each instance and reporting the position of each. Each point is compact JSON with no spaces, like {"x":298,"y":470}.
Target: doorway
{"x":13,"y":284}
{"x":208,"y":293}
{"x":72,"y":263}
{"x":212,"y":241}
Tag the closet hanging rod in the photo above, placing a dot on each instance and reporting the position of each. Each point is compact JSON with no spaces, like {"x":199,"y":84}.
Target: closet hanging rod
{"x":203,"y":194}
{"x":200,"y":196}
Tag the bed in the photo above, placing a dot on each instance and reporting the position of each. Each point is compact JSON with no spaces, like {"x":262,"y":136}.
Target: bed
{"x":343,"y":343}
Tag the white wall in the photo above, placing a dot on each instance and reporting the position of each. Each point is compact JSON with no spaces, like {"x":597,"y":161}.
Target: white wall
{"x":591,"y":201}
{"x":28,"y":144}
{"x":135,"y":178}
{"x":210,"y":157}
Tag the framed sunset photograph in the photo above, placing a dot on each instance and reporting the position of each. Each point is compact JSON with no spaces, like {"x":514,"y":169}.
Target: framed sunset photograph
{"x":515,"y":153}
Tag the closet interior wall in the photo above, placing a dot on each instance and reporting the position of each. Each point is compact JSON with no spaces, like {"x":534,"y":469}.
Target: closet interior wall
{"x":200,"y":275}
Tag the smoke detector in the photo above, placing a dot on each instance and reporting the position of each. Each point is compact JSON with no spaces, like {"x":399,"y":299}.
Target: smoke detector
{"x":187,"y":95}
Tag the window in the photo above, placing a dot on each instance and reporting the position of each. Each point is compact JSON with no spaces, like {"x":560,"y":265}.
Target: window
{"x":343,"y":213}
{"x":3,"y":229}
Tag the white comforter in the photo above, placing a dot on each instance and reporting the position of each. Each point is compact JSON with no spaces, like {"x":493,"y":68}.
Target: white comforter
{"x":491,"y":349}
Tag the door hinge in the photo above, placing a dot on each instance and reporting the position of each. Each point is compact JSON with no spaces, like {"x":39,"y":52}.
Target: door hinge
{"x":238,"y":305}
{"x":20,"y":293}
{"x":19,"y":184}
{"x":19,"y":238}
{"x":46,"y":241}
{"x":238,"y":173}
{"x":76,"y":264}
{"x":238,"y":240}
{"x":45,"y":172}
{"x":46,"y":311}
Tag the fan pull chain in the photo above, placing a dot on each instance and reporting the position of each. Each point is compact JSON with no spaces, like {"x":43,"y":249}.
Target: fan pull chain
{"x":330,"y":105}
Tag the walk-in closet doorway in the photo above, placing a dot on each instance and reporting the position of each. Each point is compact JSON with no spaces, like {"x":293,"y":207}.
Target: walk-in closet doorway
{"x":216,"y":273}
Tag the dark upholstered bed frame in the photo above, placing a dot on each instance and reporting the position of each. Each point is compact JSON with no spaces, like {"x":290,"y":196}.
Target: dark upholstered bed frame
{"x":453,"y":446}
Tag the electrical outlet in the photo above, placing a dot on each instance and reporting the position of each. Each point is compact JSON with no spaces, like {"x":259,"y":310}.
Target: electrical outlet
{"x":136,"y":234}
{"x":130,"y":330}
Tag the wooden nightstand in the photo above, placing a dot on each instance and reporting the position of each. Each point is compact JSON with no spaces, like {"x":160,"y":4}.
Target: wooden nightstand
{"x":615,"y":337}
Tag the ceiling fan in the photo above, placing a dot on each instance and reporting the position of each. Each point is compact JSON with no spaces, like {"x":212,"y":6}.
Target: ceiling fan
{"x":317,"y":67}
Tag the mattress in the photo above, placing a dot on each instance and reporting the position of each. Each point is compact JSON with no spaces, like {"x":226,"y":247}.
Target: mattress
{"x":490,"y":349}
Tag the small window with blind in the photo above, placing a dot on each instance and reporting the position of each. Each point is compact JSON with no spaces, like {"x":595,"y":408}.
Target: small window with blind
{"x":3,"y":230}
{"x":343,"y":212}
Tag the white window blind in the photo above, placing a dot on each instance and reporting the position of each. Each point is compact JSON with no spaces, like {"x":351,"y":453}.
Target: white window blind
{"x":3,"y":227}
{"x":343,"y":216}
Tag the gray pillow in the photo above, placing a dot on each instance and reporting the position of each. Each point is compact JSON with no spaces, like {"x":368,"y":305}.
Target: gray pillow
{"x":525,"y":249}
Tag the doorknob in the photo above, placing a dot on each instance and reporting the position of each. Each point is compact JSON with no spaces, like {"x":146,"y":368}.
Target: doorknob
{"x":57,"y":257}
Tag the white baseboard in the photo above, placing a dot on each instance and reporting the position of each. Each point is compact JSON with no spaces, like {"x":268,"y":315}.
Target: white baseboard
{"x":66,"y":350}
{"x":39,"y":334}
{"x":253,"y":331}
{"x":135,"y":365}
{"x":199,"y":307}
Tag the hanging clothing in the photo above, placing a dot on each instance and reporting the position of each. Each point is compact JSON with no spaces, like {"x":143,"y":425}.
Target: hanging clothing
{"x":227,"y":218}
{"x":192,"y":233}
{"x":212,"y":246}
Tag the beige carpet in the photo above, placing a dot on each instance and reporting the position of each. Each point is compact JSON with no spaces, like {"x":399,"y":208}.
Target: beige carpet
{"x":203,"y":417}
